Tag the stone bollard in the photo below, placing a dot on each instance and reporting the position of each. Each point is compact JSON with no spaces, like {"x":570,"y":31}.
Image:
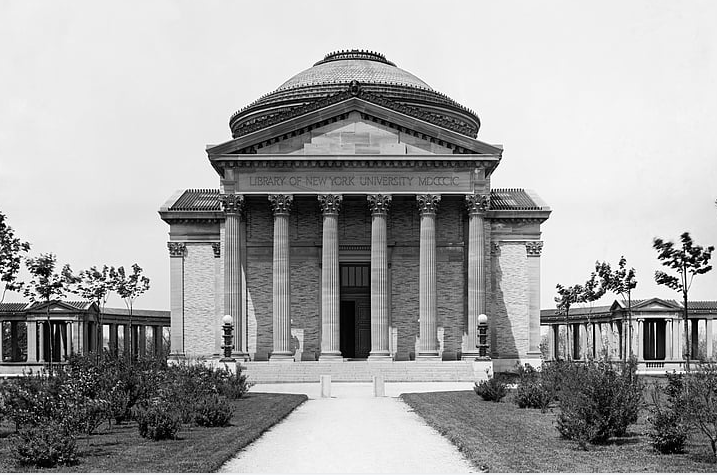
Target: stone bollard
{"x":325,"y":380}
{"x":379,"y":388}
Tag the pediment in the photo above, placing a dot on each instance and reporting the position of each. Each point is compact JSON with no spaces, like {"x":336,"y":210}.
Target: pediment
{"x":651,"y":305}
{"x":313,"y":133}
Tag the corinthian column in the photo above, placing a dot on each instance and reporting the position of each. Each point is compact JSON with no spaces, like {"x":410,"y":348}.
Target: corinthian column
{"x":427,"y":205}
{"x":233,"y":206}
{"x":477,"y":205}
{"x":282,"y":295}
{"x":330,"y":333}
{"x":379,"y":277}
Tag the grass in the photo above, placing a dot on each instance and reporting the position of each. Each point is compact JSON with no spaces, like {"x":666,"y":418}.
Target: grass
{"x":500,"y":437}
{"x":198,"y":449}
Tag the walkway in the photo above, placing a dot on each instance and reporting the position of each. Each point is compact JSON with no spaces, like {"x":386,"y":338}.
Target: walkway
{"x":352,"y":432}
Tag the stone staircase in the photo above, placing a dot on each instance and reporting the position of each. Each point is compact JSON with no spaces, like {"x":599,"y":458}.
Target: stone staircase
{"x":348,"y":371}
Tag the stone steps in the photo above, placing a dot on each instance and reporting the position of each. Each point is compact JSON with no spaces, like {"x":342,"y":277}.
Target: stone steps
{"x":362,"y":371}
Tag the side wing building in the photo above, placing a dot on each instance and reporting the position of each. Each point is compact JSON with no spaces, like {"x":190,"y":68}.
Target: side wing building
{"x":355,"y":219}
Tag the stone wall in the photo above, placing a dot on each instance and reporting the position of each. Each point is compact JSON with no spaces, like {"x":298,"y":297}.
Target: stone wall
{"x":200,"y":313}
{"x":509,"y":301}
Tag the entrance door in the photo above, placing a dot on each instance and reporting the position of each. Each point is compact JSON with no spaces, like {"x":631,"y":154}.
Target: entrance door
{"x":355,"y":341}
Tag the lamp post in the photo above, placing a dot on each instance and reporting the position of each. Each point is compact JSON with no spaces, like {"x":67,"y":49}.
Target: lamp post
{"x":482,"y":337}
{"x":227,"y":327}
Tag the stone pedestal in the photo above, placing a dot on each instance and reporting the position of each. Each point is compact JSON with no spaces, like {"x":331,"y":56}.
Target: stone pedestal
{"x":379,"y":278}
{"x":281,"y":280}
{"x":330,"y":331}
{"x":427,"y":205}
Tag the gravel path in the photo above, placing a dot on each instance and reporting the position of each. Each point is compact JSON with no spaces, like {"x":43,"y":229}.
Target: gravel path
{"x":352,"y":432}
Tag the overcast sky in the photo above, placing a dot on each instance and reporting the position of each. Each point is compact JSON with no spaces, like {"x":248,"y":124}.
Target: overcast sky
{"x":606,"y":109}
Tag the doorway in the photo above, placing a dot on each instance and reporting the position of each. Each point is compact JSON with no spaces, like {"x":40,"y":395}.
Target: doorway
{"x":355,"y":310}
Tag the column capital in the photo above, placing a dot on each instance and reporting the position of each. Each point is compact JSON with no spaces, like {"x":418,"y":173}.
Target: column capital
{"x":477,"y":204}
{"x":330,"y":204}
{"x":534,"y":248}
{"x":428,"y":204}
{"x":176,"y":249}
{"x":379,"y":204}
{"x":232,"y":203}
{"x":281,"y":204}
{"x":217,"y":248}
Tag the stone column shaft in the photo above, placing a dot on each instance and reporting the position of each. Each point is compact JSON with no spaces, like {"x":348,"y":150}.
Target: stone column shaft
{"x":330,"y":330}
{"x":428,"y":336}
{"x":281,"y":303}
{"x":379,"y":277}
{"x":32,"y":342}
{"x":668,"y":339}
{"x":233,"y":205}
{"x":640,"y":340}
{"x":476,"y":205}
{"x":708,"y":338}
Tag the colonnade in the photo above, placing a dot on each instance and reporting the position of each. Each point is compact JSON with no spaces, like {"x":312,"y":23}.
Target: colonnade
{"x":73,"y":336}
{"x":647,"y":338}
{"x":330,"y":205}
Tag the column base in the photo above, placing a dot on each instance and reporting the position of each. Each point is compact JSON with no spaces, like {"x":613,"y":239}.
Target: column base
{"x":470,"y":355}
{"x":380,"y":356}
{"x":281,"y":357}
{"x":240,"y":356}
{"x":331,"y":357}
{"x":428,"y":356}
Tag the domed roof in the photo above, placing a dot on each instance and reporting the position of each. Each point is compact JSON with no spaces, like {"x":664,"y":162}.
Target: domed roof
{"x":365,"y":74}
{"x":346,"y":66}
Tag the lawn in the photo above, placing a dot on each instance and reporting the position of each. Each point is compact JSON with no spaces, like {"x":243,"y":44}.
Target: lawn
{"x":198,"y":449}
{"x":500,"y":437}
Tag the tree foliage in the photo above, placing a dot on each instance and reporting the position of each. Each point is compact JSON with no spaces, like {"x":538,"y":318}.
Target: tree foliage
{"x":47,"y":285}
{"x":129,"y":287}
{"x":687,"y":260}
{"x":622,"y":282}
{"x":95,"y":285}
{"x":11,"y":249}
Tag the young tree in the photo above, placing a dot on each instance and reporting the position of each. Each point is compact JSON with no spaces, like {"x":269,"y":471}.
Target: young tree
{"x":46,"y":285}
{"x":593,"y":290}
{"x":95,"y":285}
{"x":688,"y":260}
{"x":11,"y":249}
{"x":621,"y":282}
{"x":567,"y":297}
{"x":129,"y":287}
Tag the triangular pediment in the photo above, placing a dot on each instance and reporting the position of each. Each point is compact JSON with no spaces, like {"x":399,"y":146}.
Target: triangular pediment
{"x":651,"y":305}
{"x":315,"y":131}
{"x":57,"y":306}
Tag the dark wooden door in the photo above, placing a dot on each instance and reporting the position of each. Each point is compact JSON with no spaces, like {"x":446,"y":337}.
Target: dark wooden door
{"x":363,"y":329}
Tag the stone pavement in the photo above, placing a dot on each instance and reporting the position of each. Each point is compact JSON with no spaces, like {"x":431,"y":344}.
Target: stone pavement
{"x":351,"y":432}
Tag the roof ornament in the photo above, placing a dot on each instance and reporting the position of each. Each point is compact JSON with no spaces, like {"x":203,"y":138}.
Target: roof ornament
{"x":355,"y":88}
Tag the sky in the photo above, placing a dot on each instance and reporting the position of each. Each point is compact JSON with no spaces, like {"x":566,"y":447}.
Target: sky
{"x":607,"y":109}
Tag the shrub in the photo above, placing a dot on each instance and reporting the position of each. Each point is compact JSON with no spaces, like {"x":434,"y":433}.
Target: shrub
{"x":533,"y":391}
{"x":598,"y":401}
{"x":698,"y":399}
{"x":231,"y":385}
{"x":157,"y":420}
{"x":45,"y":445}
{"x":493,"y":389}
{"x":213,"y":411}
{"x":668,"y":429}
{"x":668,"y":432}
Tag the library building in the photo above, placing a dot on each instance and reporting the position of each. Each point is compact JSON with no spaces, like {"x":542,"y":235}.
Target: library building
{"x":354,"y":221}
